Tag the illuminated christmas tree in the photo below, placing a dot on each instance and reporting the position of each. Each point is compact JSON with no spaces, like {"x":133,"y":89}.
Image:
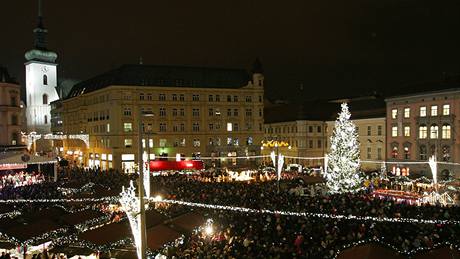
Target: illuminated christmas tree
{"x":343,"y":160}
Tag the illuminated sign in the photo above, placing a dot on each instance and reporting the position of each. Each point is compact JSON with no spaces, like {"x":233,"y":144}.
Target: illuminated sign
{"x":175,"y":165}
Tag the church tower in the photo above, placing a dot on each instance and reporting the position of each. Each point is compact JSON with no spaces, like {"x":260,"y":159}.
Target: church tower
{"x":41,"y":80}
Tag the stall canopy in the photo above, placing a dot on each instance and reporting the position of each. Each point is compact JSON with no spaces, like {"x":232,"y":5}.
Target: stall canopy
{"x":12,"y":161}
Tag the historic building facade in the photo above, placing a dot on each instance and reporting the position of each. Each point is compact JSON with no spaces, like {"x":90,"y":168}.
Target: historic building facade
{"x":197,"y":112}
{"x":422,"y":125}
{"x":10,"y":111}
{"x":41,"y":81}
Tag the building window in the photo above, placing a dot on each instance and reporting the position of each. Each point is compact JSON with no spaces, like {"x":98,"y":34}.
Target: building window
{"x":406,"y":153}
{"x":406,"y":112}
{"x":162,"y":112}
{"x":211,"y":112}
{"x":310,"y":143}
{"x":14,"y":138}
{"x":379,"y":153}
{"x":249,"y":141}
{"x":128,"y":126}
{"x":446,"y":109}
{"x":127,"y":111}
{"x":175,"y":128}
{"x":445,"y":153}
{"x":379,"y":130}
{"x":210,"y":98}
{"x":423,"y":111}
{"x":45,"y":80}
{"x":211,"y":126}
{"x":229,"y":98}
{"x":369,"y":153}
{"x":369,"y":130}
{"x":141,"y":97}
{"x":14,"y":119}
{"x":260,"y":98}
{"x":182,"y":112}
{"x":235,"y":98}
{"x":149,"y":97}
{"x":235,"y":112}
{"x":310,"y":129}
{"x":445,"y":131}
{"x":174,"y":97}
{"x":162,"y":97}
{"x":394,"y":131}
{"x":319,"y":143}
{"x":394,"y":152}
{"x":249,"y":112}
{"x":128,"y":142}
{"x":394,"y":113}
{"x":434,"y":110}
{"x":195,"y":126}
{"x":406,"y":131}
{"x":162,"y":127}
{"x":181,"y":97}
{"x":235,"y":127}
{"x":422,"y":152}
{"x":434,"y":132}
{"x":229,"y":126}
{"x":196,"y":142}
{"x":195,"y":112}
{"x":318,"y":129}
{"x":182,"y":127}
{"x":195,"y":97}
{"x":46,"y":119}
{"x":13,"y":101}
{"x":248,"y":99}
{"x":423,"y":132}
{"x":174,"y":112}
{"x":45,"y":99}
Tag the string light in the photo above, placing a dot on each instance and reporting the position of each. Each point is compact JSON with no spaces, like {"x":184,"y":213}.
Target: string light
{"x":77,"y":200}
{"x":310,"y":214}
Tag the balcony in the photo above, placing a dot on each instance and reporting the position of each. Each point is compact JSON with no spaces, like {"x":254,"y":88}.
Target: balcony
{"x":439,"y":120}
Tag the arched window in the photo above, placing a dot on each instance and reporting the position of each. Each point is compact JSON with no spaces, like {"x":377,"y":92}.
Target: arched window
{"x":45,"y":80}
{"x":422,"y":152}
{"x":46,"y":119}
{"x":422,"y":132}
{"x":45,"y":99}
{"x":434,"y":132}
{"x":446,"y":153}
{"x":394,"y":152}
{"x":406,"y":152}
{"x":446,"y":131}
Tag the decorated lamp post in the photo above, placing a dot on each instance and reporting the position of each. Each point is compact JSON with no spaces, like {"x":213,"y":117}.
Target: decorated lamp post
{"x":277,"y":158}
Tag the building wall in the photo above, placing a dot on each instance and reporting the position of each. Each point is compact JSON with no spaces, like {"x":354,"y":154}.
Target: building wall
{"x":306,"y":138}
{"x":103,"y":115}
{"x":10,"y":114}
{"x":402,"y":148}
{"x":38,"y":112}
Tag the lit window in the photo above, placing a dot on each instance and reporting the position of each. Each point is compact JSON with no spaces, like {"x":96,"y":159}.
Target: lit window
{"x":150,"y":142}
{"x":446,"y":109}
{"x":406,"y":131}
{"x":229,"y":126}
{"x":434,"y":132}
{"x":379,"y":130}
{"x":369,"y":130}
{"x":128,"y":127}
{"x":422,"y":132}
{"x":446,"y":131}
{"x":423,"y":111}
{"x":394,"y":113}
{"x":162,"y":142}
{"x":406,"y":112}
{"x":394,"y":131}
{"x":196,"y":142}
{"x":434,"y":110}
{"x":128,"y":142}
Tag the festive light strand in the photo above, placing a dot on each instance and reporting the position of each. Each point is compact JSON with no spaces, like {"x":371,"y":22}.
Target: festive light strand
{"x":106,"y":199}
{"x":308,"y":214}
{"x":11,"y":214}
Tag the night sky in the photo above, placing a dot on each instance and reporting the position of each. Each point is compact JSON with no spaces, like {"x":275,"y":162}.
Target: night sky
{"x":331,"y":47}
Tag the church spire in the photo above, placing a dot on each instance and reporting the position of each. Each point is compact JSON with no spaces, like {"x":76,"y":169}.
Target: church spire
{"x":40,"y":32}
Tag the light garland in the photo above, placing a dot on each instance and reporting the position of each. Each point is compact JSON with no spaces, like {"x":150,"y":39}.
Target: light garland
{"x":11,"y":214}
{"x":130,"y":204}
{"x":106,"y":199}
{"x":309,"y":214}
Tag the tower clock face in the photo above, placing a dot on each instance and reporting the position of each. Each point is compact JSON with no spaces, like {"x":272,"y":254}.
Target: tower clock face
{"x":44,"y":69}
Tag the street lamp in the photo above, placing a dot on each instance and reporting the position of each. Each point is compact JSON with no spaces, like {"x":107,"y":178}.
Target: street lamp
{"x":142,"y":220}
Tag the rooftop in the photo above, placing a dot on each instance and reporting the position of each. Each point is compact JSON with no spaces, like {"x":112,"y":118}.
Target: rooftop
{"x":167,"y":76}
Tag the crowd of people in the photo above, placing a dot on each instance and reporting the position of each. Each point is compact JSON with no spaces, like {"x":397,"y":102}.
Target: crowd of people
{"x":21,"y":178}
{"x":249,"y":235}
